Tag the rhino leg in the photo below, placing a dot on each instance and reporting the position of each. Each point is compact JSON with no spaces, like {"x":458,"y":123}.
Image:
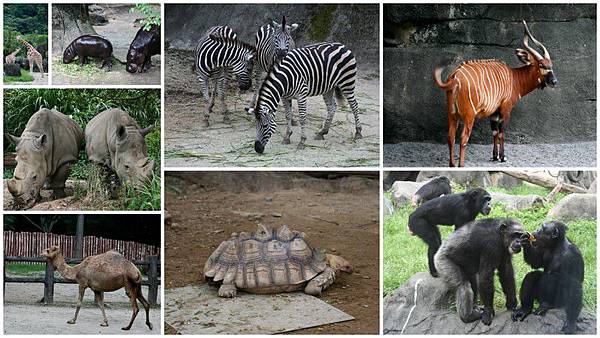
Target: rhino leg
{"x":227,"y":291}
{"x":321,"y":281}
{"x":57,"y":181}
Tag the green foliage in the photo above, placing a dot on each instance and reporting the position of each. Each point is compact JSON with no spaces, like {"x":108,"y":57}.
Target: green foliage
{"x":152,"y":15}
{"x":145,"y":198}
{"x":405,"y":255}
{"x":26,"y":18}
{"x":320,"y":24}
{"x":25,"y":77}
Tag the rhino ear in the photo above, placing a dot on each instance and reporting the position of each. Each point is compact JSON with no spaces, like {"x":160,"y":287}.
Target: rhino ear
{"x":121,"y":133}
{"x":40,"y":141}
{"x":14,"y":139}
{"x":146,"y":130}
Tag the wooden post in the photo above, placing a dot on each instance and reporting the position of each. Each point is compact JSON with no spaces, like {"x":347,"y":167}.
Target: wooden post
{"x":79,"y":237}
{"x":153,"y":280}
{"x":49,"y":284}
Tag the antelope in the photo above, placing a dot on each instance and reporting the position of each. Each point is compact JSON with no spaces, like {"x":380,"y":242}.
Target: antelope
{"x":490,"y":88}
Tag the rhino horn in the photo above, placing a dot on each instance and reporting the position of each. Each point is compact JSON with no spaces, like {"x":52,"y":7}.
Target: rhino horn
{"x":14,"y":139}
{"x":146,"y":130}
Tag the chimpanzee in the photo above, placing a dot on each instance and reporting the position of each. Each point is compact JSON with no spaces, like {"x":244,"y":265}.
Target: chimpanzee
{"x":453,"y":209}
{"x":479,"y":248}
{"x":560,"y":284}
{"x":435,"y":188}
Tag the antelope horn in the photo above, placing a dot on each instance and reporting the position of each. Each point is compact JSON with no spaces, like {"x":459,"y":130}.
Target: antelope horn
{"x":539,"y":44}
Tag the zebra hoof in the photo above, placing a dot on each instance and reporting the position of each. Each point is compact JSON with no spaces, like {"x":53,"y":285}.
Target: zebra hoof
{"x":319,"y":137}
{"x":295,"y":123}
{"x":205,"y":123}
{"x":358,"y":136}
{"x":286,"y":141}
{"x":226,"y":119}
{"x":300,"y":146}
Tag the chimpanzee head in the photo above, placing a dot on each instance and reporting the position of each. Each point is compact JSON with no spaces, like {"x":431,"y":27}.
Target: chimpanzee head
{"x":512,"y":233}
{"x":481,"y":200}
{"x":549,"y":234}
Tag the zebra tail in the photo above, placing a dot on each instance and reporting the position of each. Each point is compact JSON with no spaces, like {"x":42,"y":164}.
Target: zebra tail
{"x":339,"y":97}
{"x":437,"y":76}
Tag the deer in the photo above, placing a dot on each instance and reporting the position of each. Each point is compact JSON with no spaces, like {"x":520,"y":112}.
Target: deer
{"x":478,"y":89}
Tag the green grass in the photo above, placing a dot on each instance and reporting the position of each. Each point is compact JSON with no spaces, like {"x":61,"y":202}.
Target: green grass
{"x":24,"y":269}
{"x":25,"y":77}
{"x":405,"y":255}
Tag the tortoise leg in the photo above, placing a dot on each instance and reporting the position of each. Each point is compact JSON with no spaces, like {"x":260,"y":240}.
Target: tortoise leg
{"x":321,"y":281}
{"x":227,"y":291}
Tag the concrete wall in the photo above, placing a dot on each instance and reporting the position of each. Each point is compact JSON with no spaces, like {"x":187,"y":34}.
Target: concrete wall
{"x":417,"y":38}
{"x":356,"y":26}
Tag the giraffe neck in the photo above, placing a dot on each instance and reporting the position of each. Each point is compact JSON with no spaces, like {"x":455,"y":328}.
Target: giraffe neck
{"x":28,"y":45}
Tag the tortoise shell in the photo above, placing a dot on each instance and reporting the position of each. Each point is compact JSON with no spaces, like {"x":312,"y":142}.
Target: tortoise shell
{"x":265,"y":261}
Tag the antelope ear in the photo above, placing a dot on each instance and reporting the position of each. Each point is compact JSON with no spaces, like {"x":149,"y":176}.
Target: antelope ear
{"x":524,"y":56}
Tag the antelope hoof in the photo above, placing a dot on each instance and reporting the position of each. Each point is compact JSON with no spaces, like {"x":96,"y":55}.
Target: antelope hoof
{"x":503,"y":159}
{"x":104,"y":323}
{"x":126,"y":328}
{"x":494,"y":159}
{"x":149,"y":325}
{"x":319,"y":136}
{"x":71,"y":321}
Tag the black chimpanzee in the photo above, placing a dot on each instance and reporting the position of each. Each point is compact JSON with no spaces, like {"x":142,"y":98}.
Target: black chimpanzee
{"x":479,"y":248}
{"x":435,"y":188}
{"x":560,"y":284}
{"x":453,"y":209}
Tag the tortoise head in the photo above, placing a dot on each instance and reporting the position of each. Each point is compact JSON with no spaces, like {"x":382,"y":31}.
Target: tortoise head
{"x":338,"y":263}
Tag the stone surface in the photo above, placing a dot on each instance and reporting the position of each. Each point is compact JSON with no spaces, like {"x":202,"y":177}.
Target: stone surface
{"x":402,"y":191}
{"x":470,"y":179}
{"x":573,"y":207}
{"x":433,"y":315}
{"x":12,"y":69}
{"x":388,"y":207}
{"x":501,"y":180}
{"x":517,"y":202}
{"x":421,"y":37}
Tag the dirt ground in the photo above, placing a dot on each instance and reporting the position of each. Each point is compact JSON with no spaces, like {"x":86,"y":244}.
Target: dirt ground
{"x":414,"y":154}
{"x":37,"y":80}
{"x":120,"y":31}
{"x":189,"y":144}
{"x":339,"y":215}
{"x":23,"y":314}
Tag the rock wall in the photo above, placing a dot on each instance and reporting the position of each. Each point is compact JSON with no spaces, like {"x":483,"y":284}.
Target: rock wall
{"x":357,"y":26}
{"x":417,"y":38}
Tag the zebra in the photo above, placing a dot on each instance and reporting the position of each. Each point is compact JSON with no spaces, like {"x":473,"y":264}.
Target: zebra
{"x":218,"y":55}
{"x":273,"y":41}
{"x":327,"y":69}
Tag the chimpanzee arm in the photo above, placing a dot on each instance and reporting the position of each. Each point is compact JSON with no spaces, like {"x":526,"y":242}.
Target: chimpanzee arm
{"x":532,"y":256}
{"x":507,"y":281}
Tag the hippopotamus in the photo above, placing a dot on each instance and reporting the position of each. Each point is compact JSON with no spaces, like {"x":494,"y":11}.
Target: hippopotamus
{"x":144,"y":45}
{"x":47,"y":147}
{"x":115,"y":140}
{"x":89,"y":46}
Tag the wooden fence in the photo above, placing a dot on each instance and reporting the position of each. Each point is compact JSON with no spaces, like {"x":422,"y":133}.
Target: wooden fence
{"x":31,"y":244}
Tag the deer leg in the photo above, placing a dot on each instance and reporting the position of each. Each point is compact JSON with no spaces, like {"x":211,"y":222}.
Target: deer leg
{"x":146,"y":306}
{"x":132,"y":291}
{"x":79,"y":301}
{"x":464,"y":138}
{"x":99,"y":296}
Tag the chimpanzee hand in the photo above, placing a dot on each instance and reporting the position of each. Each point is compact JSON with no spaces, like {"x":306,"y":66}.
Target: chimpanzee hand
{"x":488,"y":315}
{"x":524,"y":239}
{"x":519,"y":315}
{"x":511,"y":304}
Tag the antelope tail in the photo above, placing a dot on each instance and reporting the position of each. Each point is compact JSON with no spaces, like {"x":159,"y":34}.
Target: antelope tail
{"x":437,"y":76}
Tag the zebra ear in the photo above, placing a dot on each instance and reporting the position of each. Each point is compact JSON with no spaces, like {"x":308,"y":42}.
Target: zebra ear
{"x":275,"y":24}
{"x":524,"y":56}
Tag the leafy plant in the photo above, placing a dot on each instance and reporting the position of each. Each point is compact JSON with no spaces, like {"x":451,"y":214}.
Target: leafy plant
{"x":152,"y":15}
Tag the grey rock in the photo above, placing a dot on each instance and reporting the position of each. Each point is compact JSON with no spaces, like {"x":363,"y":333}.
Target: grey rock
{"x":574,"y":207}
{"x":517,"y":202}
{"x":402,"y":191}
{"x":501,"y":180}
{"x":470,"y":179}
{"x":388,"y":207}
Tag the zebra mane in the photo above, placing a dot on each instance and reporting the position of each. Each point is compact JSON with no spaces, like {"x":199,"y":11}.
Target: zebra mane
{"x":234,"y":41}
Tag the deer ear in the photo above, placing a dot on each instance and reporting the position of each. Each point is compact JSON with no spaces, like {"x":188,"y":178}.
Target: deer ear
{"x":524,"y":56}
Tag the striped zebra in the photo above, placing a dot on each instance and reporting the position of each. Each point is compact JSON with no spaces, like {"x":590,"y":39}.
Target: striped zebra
{"x":327,"y":69}
{"x":273,"y":41}
{"x":219,"y":54}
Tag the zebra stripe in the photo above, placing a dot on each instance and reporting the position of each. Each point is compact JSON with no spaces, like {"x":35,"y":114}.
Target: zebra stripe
{"x":220,"y":54}
{"x":320,"y":69}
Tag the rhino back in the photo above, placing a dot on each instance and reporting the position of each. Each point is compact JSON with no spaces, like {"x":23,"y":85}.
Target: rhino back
{"x":64,"y":136}
{"x":101,"y":135}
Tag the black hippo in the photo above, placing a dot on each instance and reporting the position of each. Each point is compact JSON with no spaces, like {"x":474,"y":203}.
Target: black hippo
{"x":114,"y":140}
{"x":89,"y":46}
{"x":144,"y":45}
{"x":49,"y":144}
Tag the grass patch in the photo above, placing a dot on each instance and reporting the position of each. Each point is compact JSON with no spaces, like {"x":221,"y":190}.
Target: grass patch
{"x":405,"y":255}
{"x":25,"y":269}
{"x":25,"y":77}
{"x":92,"y":68}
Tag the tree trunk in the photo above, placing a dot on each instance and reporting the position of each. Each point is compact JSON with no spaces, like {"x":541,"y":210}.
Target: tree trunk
{"x":544,"y":181}
{"x":79,"y":237}
{"x":69,"y":21}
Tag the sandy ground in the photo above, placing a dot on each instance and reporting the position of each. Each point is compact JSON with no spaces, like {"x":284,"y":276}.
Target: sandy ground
{"x":409,"y":154}
{"x":343,"y":221}
{"x":189,"y":144}
{"x":120,"y":31}
{"x":37,"y":80}
{"x":24,"y":315}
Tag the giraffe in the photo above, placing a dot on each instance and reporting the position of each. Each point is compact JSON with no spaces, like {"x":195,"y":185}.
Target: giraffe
{"x":10,"y":58}
{"x":32,"y":55}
